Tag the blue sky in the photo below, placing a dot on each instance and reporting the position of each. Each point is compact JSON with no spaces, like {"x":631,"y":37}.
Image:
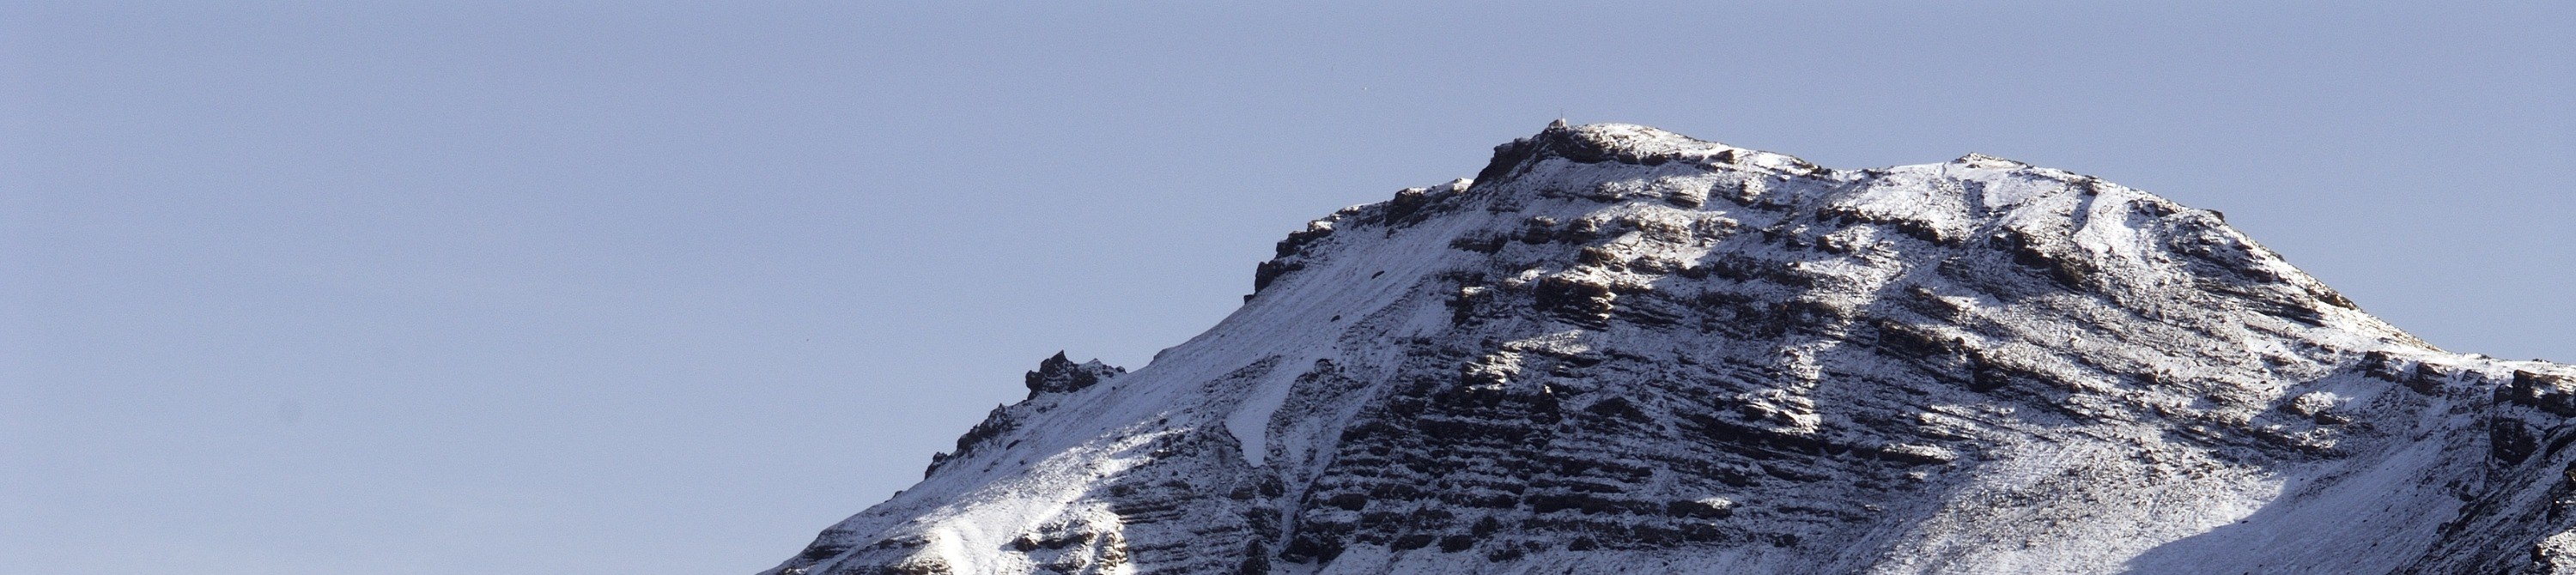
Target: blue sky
{"x":484,"y":287}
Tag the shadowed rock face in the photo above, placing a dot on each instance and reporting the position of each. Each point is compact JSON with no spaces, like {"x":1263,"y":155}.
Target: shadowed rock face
{"x":1624,"y":349}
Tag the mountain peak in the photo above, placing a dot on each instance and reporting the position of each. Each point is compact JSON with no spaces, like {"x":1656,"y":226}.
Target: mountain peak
{"x":1623,"y":143}
{"x":1623,"y":349}
{"x":1976,"y":160}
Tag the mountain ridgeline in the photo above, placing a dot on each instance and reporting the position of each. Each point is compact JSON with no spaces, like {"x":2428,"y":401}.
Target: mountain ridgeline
{"x":1619,"y":349}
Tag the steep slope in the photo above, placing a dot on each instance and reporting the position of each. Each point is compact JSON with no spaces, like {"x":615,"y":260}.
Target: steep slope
{"x":1619,"y":348}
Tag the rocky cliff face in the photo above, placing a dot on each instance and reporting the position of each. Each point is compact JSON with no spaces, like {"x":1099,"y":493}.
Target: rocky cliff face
{"x":1622,"y":349}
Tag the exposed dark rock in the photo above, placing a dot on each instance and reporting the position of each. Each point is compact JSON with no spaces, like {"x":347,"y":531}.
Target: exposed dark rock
{"x":1059,"y":374}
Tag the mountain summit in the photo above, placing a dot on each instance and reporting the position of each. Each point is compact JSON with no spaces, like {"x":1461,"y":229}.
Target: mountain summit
{"x":1620,"y":349}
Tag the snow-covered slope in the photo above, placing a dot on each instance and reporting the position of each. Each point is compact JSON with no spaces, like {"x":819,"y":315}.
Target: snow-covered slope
{"x":1619,"y":349}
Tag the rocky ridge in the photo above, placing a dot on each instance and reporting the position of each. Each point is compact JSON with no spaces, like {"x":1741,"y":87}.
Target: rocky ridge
{"x":1619,"y":348}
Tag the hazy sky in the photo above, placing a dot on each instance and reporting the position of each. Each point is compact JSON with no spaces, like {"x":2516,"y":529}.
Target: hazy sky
{"x":455,"y":287}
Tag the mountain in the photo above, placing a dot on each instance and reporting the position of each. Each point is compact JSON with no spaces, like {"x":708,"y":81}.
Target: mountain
{"x":1620,"y":349}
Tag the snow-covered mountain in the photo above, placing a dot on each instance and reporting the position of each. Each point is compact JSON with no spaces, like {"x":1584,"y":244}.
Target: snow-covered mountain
{"x":1619,"y":349}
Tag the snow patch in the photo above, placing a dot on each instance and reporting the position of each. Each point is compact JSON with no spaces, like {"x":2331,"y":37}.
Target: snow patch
{"x":1250,"y":422}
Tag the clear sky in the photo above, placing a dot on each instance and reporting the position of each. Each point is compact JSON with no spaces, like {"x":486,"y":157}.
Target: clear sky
{"x":480,"y":287}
